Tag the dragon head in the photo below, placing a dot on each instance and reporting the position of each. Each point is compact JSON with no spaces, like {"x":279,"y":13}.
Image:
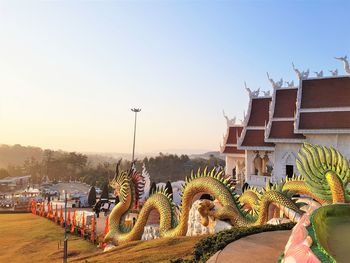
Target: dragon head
{"x":120,"y":183}
{"x":127,"y":182}
{"x":204,"y":210}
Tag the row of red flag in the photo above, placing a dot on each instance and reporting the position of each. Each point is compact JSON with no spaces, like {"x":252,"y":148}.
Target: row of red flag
{"x":38,"y":208}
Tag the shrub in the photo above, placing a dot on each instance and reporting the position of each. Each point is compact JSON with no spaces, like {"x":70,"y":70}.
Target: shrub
{"x":92,"y":196}
{"x":105,"y":192}
{"x":208,"y":246}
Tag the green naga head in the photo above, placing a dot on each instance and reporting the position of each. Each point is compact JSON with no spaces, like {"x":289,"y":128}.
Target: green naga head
{"x":325,"y":171}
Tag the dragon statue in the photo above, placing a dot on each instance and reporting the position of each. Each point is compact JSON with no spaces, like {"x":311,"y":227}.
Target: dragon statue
{"x":324,"y":175}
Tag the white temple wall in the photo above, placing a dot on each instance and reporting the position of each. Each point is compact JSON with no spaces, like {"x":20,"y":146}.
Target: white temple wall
{"x":340,"y":142}
{"x":231,"y":163}
{"x":285,"y":154}
{"x":251,"y":177}
{"x":249,"y":167}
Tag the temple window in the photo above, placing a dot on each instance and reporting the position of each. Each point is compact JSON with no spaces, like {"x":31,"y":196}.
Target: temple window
{"x":258,"y":164}
{"x":289,"y":170}
{"x":234,"y":173}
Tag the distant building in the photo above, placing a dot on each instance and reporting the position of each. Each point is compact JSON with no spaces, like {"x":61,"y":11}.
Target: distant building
{"x":316,"y":111}
{"x":12,"y":183}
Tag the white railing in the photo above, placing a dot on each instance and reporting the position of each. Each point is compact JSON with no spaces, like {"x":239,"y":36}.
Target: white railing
{"x":258,"y":180}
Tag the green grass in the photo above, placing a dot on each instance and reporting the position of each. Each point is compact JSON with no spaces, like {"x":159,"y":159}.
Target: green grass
{"x":29,"y":238}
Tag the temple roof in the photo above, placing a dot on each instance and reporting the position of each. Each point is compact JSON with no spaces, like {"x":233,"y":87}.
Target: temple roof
{"x":230,"y":140}
{"x":252,"y":137}
{"x":280,"y":127}
{"x":324,"y":106}
{"x":259,"y":113}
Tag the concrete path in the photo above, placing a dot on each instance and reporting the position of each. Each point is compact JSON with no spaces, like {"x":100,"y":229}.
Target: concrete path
{"x":264,"y":247}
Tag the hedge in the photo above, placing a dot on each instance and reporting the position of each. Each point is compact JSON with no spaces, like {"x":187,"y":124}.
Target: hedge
{"x":208,"y":246}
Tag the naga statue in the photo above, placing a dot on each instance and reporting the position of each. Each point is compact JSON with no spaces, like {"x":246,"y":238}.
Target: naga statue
{"x":324,"y":176}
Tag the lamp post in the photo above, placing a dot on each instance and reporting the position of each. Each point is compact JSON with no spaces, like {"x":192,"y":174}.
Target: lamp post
{"x":65,"y":243}
{"x":133,"y":146}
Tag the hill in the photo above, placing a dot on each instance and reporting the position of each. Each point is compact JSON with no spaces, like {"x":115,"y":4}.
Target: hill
{"x":208,"y":155}
{"x":96,"y":168}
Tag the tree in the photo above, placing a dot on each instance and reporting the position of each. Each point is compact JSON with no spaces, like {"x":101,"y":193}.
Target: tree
{"x":105,"y":192}
{"x":152,"y":189}
{"x":169,"y":188}
{"x":92,"y":196}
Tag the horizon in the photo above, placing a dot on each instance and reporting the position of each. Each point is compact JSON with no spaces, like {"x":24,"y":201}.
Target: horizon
{"x":188,"y":152}
{"x":71,"y":71}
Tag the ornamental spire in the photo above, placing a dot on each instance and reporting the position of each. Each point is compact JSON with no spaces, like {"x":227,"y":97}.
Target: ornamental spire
{"x":301,"y":75}
{"x":346,"y":63}
{"x":229,"y":122}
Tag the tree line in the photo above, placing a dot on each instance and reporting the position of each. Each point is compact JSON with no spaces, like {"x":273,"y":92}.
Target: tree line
{"x":73,"y":166}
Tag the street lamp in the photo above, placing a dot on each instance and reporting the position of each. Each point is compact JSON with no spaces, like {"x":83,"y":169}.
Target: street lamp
{"x":133,"y":146}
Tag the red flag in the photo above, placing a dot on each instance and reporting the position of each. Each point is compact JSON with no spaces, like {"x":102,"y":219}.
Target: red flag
{"x":48,"y":210}
{"x":106,"y":231}
{"x":35,"y":206}
{"x":73,"y":223}
{"x":68,"y":218}
{"x":56,"y":214}
{"x":92,"y":229}
{"x":32,"y":206}
{"x":106,"y":226}
{"x":82,"y":228}
{"x":61,"y":216}
{"x":42,"y":207}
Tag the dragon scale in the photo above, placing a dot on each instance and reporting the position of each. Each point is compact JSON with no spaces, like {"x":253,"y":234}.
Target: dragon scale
{"x":324,"y":177}
{"x":212,"y":183}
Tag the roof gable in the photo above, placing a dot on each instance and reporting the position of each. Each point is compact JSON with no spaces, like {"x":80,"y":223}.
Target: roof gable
{"x":253,"y":132}
{"x":325,"y":93}
{"x":324,"y":106}
{"x":285,"y":103}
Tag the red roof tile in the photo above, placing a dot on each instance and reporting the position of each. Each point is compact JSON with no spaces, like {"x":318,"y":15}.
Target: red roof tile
{"x":326,"y":92}
{"x":285,"y":103}
{"x":255,"y":138}
{"x":232,"y":149}
{"x":284,"y":130}
{"x":324,"y":120}
{"x":233,"y":133}
{"x":259,"y":114}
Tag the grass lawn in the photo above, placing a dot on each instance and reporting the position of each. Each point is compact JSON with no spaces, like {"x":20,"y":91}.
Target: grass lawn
{"x":157,"y":250}
{"x":29,"y":238}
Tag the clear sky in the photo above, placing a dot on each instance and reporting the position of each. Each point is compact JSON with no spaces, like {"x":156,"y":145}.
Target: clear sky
{"x":71,"y":70}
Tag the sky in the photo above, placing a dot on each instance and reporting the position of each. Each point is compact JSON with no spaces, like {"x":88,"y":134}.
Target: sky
{"x":70,"y":71}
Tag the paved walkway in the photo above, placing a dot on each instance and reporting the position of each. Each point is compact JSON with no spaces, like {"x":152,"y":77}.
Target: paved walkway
{"x":264,"y":247}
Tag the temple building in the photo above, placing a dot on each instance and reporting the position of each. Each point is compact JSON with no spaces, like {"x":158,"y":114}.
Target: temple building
{"x":280,"y":131}
{"x":258,"y":153}
{"x":274,"y":128}
{"x":235,"y":159}
{"x":323,"y":112}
